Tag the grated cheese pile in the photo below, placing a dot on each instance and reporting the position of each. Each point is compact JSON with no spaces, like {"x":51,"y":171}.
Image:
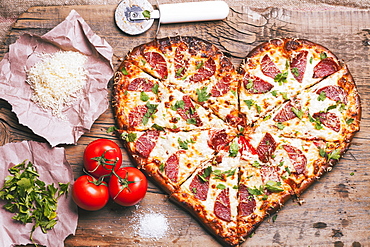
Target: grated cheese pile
{"x":57,"y":80}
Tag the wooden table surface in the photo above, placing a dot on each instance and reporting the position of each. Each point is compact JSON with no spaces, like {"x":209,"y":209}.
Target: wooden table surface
{"x":336,"y":209}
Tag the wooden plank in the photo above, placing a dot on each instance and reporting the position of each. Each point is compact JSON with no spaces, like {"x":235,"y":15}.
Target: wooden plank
{"x":336,"y":208}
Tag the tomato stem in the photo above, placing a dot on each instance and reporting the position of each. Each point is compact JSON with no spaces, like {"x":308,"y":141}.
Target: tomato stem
{"x":104,"y":162}
{"x":124,"y":182}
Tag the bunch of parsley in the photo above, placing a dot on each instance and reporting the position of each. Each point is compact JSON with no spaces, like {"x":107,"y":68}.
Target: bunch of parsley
{"x":30,"y":199}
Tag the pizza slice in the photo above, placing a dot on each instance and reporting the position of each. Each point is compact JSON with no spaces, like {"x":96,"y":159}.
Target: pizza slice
{"x":171,"y":157}
{"x":210,"y":194}
{"x":200,"y":70}
{"x":136,"y":98}
{"x":279,"y":70}
{"x":142,"y":102}
{"x":329,"y":110}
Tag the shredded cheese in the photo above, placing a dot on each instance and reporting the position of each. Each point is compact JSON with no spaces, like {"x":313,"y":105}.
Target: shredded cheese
{"x":57,"y":80}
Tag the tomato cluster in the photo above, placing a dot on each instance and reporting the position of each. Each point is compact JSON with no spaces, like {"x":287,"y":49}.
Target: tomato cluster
{"x":127,"y":186}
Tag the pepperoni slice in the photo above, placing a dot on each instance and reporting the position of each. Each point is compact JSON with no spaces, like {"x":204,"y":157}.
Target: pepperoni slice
{"x":146,"y":142}
{"x":189,"y":113}
{"x":205,"y":71}
{"x":268,"y":67}
{"x":325,"y":68}
{"x":218,"y":139}
{"x":270,"y":173}
{"x":298,"y":159}
{"x":256,"y":85}
{"x":157,"y":62}
{"x":298,"y":65}
{"x":285,"y":114}
{"x":246,"y":146}
{"x":328,"y":119}
{"x":136,"y":115}
{"x":266,"y":147}
{"x":181,"y":64}
{"x":172,"y":166}
{"x":335,"y":93}
{"x":222,"y":206}
{"x":221,"y":87}
{"x":140,"y":85}
{"x":200,"y":187}
{"x":247,"y":203}
{"x":235,"y":120}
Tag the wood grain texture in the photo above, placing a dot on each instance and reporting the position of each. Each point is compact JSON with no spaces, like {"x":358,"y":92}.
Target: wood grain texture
{"x":336,"y":209}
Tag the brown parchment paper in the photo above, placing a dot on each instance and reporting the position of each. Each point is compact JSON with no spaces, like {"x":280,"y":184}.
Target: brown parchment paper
{"x":53,"y":167}
{"x":73,"y":34}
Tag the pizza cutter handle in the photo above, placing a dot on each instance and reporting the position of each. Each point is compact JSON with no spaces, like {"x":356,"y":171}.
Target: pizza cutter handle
{"x":193,"y":11}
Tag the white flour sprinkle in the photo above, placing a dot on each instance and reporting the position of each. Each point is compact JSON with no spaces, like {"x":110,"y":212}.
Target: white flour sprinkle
{"x":150,"y":225}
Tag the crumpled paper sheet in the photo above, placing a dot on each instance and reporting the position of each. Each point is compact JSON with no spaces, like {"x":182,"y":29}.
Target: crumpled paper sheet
{"x":71,"y":34}
{"x":53,"y":167}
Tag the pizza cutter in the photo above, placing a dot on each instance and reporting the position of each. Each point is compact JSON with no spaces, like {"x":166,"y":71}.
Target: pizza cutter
{"x":137,"y":16}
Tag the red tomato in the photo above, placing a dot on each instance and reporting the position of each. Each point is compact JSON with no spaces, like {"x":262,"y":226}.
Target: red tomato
{"x":89,"y":194}
{"x":128,"y":186}
{"x":101,"y":156}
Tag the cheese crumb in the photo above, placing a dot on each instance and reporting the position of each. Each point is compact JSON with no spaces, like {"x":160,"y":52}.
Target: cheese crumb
{"x":57,"y":80}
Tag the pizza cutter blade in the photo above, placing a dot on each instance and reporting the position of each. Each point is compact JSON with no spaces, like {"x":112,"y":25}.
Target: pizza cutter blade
{"x":137,"y":16}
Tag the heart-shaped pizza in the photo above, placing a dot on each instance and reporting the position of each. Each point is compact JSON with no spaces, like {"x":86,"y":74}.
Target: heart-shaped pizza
{"x":231,"y":145}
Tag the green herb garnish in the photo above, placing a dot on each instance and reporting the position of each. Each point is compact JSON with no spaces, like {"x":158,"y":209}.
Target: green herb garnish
{"x":30,"y":199}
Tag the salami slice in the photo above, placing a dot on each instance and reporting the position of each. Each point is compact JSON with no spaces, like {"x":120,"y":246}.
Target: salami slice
{"x":140,"y":85}
{"x":146,"y":142}
{"x":285,"y":114}
{"x":221,"y":87}
{"x":199,"y":185}
{"x":266,"y":147}
{"x":181,"y":64}
{"x":222,"y":206}
{"x":270,"y":173}
{"x":297,"y":157}
{"x":218,"y":139}
{"x":268,"y":67}
{"x":158,"y":63}
{"x":136,"y":115}
{"x":298,"y":65}
{"x":256,"y":85}
{"x":188,"y":112}
{"x":247,"y":203}
{"x":334,"y":93}
{"x":204,"y":71}
{"x":172,"y":167}
{"x":328,"y":119}
{"x":325,"y":68}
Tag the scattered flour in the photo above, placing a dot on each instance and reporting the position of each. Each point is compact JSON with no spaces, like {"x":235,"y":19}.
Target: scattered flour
{"x":150,"y":225}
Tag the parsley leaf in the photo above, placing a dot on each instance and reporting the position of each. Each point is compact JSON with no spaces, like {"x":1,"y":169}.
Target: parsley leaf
{"x":124,"y":71}
{"x":335,"y":154}
{"x":322,"y":96}
{"x":146,"y":14}
{"x":273,"y":186}
{"x":295,"y":72}
{"x":152,"y":108}
{"x":178,"y":105}
{"x":297,"y":112}
{"x":30,"y":199}
{"x":144,"y":97}
{"x":234,"y":149}
{"x":281,"y":78}
{"x":207,"y":172}
{"x":155,"y":88}
{"x":202,"y":94}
